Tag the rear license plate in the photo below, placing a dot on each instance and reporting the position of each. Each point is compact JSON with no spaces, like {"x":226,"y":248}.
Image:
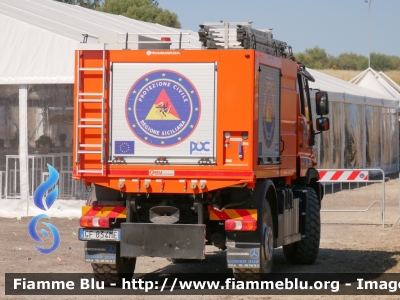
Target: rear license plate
{"x":99,"y":235}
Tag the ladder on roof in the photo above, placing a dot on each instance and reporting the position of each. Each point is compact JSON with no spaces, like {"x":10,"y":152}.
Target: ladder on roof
{"x":220,"y":35}
{"x":90,"y":102}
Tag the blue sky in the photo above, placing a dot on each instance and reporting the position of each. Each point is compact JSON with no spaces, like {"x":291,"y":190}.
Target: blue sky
{"x":338,"y":26}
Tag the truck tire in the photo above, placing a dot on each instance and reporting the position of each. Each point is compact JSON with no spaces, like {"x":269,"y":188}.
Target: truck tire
{"x":306,"y":250}
{"x":114,"y":273}
{"x":267,"y":252}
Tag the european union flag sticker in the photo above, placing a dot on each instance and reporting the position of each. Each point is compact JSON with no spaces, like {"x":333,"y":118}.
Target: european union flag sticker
{"x":124,"y":147}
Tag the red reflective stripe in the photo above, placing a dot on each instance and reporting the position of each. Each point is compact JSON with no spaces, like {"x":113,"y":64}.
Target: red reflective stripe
{"x":322,"y":174}
{"x":97,"y":211}
{"x":179,"y":173}
{"x":244,"y":214}
{"x":221,"y":215}
{"x":93,"y":211}
{"x":128,"y":172}
{"x":337,"y":175}
{"x":353,"y":175}
{"x":116,"y":212}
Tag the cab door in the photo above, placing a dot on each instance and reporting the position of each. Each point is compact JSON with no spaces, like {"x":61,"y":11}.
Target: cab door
{"x":304,"y":127}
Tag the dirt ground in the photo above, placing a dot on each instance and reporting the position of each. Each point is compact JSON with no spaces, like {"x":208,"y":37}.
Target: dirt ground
{"x":350,"y":242}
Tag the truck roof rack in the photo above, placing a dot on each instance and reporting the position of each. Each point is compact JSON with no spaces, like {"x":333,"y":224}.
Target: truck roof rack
{"x":223,"y":35}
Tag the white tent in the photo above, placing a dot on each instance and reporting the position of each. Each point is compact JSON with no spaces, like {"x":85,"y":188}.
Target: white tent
{"x":364,"y":128}
{"x":375,"y":81}
{"x":36,"y":82}
{"x":39,"y":38}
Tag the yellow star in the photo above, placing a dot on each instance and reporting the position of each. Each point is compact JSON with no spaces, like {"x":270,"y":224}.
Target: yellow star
{"x":133,"y":125}
{"x":145,"y":138}
{"x":196,"y":109}
{"x":192,"y":91}
{"x":179,"y":138}
{"x":134,"y":92}
{"x":180,"y":79}
{"x":129,"y":108}
{"x":162,"y":142}
{"x":163,"y":74}
{"x":147,"y":79}
{"x":191,"y":126}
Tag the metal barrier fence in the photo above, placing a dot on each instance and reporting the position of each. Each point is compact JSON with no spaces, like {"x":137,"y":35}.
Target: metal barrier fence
{"x":356,"y":191}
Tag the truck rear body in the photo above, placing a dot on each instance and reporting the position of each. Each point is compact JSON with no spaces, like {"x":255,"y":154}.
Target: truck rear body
{"x":184,"y":148}
{"x":213,"y":135}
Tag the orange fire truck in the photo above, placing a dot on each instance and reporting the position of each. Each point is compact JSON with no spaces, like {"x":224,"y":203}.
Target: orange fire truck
{"x":187,"y":148}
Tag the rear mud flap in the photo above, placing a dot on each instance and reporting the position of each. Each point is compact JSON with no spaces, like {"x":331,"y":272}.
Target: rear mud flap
{"x":184,"y":241}
{"x":101,"y":252}
{"x":243,"y":255}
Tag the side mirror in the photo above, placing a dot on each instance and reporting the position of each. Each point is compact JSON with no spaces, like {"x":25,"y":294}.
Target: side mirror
{"x":322,"y":105}
{"x":322,"y":124}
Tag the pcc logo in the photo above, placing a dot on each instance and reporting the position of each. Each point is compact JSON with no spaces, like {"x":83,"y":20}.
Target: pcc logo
{"x":200,"y":148}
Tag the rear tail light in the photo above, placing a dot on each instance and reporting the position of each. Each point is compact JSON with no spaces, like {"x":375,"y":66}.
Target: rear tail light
{"x":244,"y":225}
{"x":102,"y":222}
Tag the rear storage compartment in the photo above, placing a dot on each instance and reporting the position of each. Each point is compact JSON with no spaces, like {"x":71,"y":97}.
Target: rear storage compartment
{"x":162,"y":113}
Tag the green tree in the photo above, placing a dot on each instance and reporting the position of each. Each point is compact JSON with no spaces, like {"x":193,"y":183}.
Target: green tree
{"x":384,"y":62}
{"x":92,"y":4}
{"x":352,"y":61}
{"x":144,"y":10}
{"x":314,"y":58}
{"x":317,"y":58}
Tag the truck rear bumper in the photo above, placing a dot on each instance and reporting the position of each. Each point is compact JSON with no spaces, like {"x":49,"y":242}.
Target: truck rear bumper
{"x":185,"y":241}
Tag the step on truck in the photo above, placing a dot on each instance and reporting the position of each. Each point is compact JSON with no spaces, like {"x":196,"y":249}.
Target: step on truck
{"x":184,"y":148}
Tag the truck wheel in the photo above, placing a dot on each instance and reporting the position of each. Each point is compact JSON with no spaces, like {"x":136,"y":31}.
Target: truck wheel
{"x":306,"y":250}
{"x":267,"y":248}
{"x":114,"y":273}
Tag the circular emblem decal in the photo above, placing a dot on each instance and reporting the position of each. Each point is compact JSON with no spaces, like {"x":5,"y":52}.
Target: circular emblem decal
{"x":254,"y":254}
{"x":162,"y":108}
{"x":269,"y":120}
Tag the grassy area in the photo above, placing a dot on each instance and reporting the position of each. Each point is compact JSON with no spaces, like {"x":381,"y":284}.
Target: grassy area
{"x":347,"y":75}
{"x":394,"y":75}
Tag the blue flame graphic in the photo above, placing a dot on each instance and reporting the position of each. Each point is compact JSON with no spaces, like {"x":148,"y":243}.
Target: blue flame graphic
{"x":44,"y":187}
{"x":32,"y":232}
{"x":38,"y":200}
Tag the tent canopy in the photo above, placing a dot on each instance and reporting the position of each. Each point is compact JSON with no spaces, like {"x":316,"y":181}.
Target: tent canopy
{"x":379,"y":82}
{"x":39,"y":38}
{"x":343,"y":91}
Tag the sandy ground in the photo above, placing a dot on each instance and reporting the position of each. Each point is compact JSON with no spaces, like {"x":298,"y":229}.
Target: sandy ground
{"x":350,"y":242}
